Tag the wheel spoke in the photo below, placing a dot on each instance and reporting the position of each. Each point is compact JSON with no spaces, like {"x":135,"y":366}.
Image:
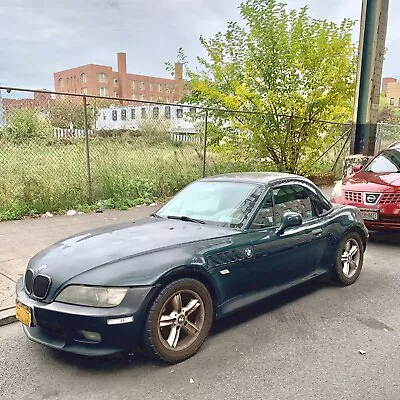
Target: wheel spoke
{"x":347,"y":246}
{"x":177,"y":303}
{"x":190,"y":328}
{"x":191,"y":307}
{"x":346,"y":268}
{"x":353,"y":266}
{"x":167,"y":320}
{"x":353,"y":251}
{"x":173,"y":337}
{"x":344,"y":257}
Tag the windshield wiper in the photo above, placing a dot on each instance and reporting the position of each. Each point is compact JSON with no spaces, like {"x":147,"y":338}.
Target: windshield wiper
{"x":155,"y":215}
{"x":185,"y":218}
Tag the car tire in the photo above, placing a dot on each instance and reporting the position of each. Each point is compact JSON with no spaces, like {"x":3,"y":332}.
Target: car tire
{"x":178,"y":321}
{"x":349,"y":259}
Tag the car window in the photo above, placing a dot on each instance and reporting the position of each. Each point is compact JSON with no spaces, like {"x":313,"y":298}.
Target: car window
{"x":386,"y":162}
{"x":265,"y":216}
{"x":293,"y":198}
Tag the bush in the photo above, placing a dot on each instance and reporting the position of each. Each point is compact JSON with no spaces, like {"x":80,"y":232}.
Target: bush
{"x":26,"y":124}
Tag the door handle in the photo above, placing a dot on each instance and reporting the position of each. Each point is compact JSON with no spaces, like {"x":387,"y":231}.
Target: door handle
{"x":317,"y":231}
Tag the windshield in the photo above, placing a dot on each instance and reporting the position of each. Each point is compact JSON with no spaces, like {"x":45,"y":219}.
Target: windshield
{"x":388,"y":161}
{"x":225,"y":203}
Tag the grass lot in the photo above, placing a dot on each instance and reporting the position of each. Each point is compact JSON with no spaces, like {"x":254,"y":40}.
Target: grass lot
{"x":36,"y":177}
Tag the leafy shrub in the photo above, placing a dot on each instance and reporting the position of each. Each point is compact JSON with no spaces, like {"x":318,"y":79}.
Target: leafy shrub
{"x":25,"y":124}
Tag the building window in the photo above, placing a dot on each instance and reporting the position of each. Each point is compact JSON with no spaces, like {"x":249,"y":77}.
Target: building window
{"x":61,"y":82}
{"x":67,"y":81}
{"x":102,"y":77}
{"x":160,"y":99}
{"x":114,"y":115}
{"x":133,"y":85}
{"x":102,"y":91}
{"x":179,"y":113}
{"x":134,"y":96}
{"x":144,"y":113}
{"x":142,"y":97}
{"x":167,"y":99}
{"x":151,"y":88}
{"x":83,"y":78}
{"x":142,"y":85}
{"x":385,"y":86}
{"x":84,"y":90}
{"x":133,"y":113}
{"x":159,"y":88}
{"x":167,"y":112}
{"x":167,"y":89}
{"x":116,"y":94}
{"x":392,"y":101}
{"x":115,"y":82}
{"x":123,"y":115}
{"x":156,"y":112}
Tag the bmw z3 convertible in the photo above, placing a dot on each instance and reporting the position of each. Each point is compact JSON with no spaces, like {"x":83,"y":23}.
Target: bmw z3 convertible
{"x":221,"y":244}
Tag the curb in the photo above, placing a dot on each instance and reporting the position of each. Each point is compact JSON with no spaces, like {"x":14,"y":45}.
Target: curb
{"x":7,"y":316}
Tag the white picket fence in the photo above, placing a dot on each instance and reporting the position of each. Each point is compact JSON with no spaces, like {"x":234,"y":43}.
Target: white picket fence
{"x":61,"y":133}
{"x":186,"y":138}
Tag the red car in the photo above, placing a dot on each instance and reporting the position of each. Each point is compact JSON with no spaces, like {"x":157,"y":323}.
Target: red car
{"x":375,"y":190}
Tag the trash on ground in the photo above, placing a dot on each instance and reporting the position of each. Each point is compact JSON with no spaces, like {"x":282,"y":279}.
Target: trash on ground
{"x":362,"y":351}
{"x":191,"y":380}
{"x":71,"y":213}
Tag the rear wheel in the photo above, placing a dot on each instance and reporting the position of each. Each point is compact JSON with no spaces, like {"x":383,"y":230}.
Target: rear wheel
{"x":349,"y":259}
{"x":178,"y":321}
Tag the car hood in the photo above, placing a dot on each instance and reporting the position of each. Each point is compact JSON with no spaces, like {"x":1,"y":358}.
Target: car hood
{"x":91,"y":253}
{"x":370,"y":181}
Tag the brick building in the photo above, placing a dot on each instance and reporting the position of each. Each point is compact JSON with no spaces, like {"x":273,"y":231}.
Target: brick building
{"x":40,"y":100}
{"x":391,"y":91}
{"x":101,"y":80}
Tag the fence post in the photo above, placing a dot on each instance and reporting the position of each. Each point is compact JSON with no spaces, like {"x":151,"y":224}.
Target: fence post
{"x":205,"y":144}
{"x":88,"y":170}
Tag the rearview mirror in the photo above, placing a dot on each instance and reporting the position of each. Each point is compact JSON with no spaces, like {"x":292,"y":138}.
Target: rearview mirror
{"x":289,"y":220}
{"x":357,"y":168}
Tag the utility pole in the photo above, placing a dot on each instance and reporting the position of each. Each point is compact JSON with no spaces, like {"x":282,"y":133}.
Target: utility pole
{"x":373,"y":28}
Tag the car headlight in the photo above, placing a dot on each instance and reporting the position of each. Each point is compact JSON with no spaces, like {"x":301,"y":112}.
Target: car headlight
{"x":337,"y":190}
{"x":92,"y":296}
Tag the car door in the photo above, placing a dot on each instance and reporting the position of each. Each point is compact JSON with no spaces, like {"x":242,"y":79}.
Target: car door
{"x":284,"y":259}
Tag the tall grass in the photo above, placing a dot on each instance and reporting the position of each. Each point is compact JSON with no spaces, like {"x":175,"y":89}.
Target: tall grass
{"x":36,"y":176}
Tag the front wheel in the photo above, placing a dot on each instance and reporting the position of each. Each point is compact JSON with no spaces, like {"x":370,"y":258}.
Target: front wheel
{"x":178,"y":321}
{"x":349,"y":259}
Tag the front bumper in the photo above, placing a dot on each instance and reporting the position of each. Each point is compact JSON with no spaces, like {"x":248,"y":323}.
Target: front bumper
{"x":60,"y":325}
{"x":389,"y":218}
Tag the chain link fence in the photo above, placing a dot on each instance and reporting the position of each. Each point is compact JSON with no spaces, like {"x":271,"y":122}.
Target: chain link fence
{"x":62,"y":151}
{"x":386,"y":134}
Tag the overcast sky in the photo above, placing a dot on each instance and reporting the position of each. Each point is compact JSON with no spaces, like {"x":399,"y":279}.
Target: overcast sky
{"x":39,"y":37}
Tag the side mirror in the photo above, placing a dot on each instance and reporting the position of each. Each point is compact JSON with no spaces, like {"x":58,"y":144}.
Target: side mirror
{"x":357,"y":168}
{"x":289,"y":220}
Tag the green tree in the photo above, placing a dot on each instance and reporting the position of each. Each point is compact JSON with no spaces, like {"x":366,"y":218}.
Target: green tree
{"x":286,"y":68}
{"x":70,"y":110}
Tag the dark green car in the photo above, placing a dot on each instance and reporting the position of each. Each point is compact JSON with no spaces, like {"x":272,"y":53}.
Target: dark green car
{"x":222,"y":243}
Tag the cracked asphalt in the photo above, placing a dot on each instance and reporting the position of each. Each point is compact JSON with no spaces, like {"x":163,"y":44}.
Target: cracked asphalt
{"x":302,"y":344}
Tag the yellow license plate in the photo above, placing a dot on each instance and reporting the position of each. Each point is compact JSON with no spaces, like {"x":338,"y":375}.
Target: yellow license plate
{"x":23,"y":314}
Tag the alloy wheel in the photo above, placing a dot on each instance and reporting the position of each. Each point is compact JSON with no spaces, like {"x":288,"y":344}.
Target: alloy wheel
{"x":350,"y":257}
{"x":181,"y":320}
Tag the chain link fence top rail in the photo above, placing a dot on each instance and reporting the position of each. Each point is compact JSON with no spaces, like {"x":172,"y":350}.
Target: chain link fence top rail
{"x":61,"y":151}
